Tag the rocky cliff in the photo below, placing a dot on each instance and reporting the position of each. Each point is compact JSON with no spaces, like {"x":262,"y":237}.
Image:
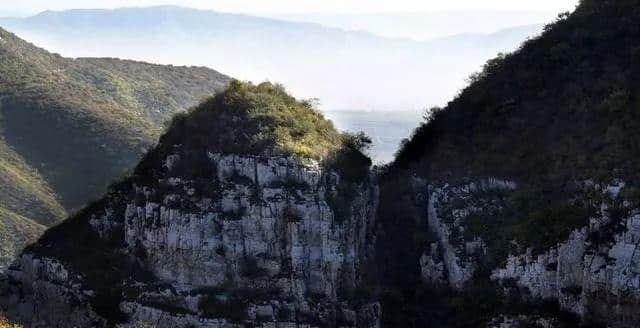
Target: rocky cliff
{"x":257,"y":243}
{"x":593,"y":272}
{"x":207,"y":239}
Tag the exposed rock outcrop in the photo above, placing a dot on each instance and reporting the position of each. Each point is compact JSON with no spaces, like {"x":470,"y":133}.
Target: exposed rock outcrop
{"x":594,"y":273}
{"x":451,"y":259}
{"x":257,"y":244}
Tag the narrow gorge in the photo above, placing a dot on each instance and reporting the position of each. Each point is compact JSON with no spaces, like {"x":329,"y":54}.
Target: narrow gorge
{"x":516,"y":205}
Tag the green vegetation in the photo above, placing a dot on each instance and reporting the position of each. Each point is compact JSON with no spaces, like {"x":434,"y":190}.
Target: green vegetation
{"x":25,"y":191}
{"x":25,"y":200}
{"x":550,"y":114}
{"x":81,"y":123}
{"x":264,"y":120}
{"x":257,"y":120}
{"x":16,"y":231}
{"x":527,"y":219}
{"x":561,"y":110}
{"x":68,"y":127}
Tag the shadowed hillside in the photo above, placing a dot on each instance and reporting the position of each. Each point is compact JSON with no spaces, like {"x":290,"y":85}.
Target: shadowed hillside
{"x":555,"y":129}
{"x":70,"y":126}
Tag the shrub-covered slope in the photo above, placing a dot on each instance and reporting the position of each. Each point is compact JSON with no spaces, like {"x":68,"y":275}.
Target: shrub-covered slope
{"x":261,"y":120}
{"x":70,"y":126}
{"x":24,"y":190}
{"x":15,"y":232}
{"x":561,"y":107}
{"x":516,"y":164}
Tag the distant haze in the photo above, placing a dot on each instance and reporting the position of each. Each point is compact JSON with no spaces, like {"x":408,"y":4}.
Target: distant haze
{"x":386,"y":129}
{"x":297,"y":6}
{"x":345,"y":70}
{"x":426,"y":25}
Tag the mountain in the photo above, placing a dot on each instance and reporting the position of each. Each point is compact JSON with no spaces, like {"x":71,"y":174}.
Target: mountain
{"x":425,"y":25}
{"x":251,"y":209}
{"x":517,"y":203}
{"x":70,"y":126}
{"x":309,"y":59}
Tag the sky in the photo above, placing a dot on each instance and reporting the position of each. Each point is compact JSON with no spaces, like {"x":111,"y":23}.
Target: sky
{"x":27,"y":7}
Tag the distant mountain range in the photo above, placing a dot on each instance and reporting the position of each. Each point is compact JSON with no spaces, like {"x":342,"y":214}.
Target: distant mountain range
{"x":424,"y":25}
{"x":346,"y":70}
{"x":68,"y":127}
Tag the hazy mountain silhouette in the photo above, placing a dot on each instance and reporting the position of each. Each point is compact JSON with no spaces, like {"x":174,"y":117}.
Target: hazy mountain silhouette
{"x":424,"y":25}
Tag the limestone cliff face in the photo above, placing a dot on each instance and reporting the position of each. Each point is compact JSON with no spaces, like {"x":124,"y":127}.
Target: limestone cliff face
{"x":256,"y":242}
{"x":590,"y":277}
{"x":594,"y":273}
{"x":451,"y":259}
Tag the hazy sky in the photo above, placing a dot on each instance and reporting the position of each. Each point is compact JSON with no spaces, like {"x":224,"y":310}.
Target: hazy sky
{"x":295,"y":6}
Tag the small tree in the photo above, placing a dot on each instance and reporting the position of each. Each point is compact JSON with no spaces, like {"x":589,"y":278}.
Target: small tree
{"x":431,"y":113}
{"x":359,"y":142}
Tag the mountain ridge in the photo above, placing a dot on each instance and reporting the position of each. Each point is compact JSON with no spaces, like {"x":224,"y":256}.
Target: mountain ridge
{"x":68,"y":127}
{"x":521,"y":193}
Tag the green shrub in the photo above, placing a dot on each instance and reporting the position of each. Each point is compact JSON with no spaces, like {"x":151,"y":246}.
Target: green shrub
{"x":254,"y":119}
